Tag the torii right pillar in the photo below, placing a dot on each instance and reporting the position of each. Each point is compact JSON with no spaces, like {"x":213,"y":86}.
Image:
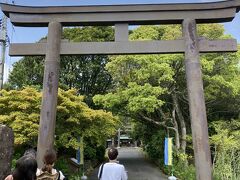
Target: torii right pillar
{"x":196,"y":102}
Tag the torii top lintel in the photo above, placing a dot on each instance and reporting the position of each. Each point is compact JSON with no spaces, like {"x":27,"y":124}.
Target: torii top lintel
{"x":131,"y":14}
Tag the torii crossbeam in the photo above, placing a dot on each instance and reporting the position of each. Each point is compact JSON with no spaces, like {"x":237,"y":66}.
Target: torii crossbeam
{"x":121,"y":16}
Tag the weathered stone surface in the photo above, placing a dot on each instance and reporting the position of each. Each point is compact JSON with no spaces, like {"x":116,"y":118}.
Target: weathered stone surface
{"x":197,"y":107}
{"x":123,"y":47}
{"x":6,"y":150}
{"x":50,"y":91}
{"x":134,"y":14}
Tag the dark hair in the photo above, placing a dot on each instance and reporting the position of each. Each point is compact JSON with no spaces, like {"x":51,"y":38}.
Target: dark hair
{"x":26,"y":168}
{"x":49,"y":158}
{"x":30,"y":152}
{"x":112,"y":153}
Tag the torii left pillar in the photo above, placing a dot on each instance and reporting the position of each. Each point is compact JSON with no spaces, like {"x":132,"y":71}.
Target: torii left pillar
{"x":50,"y":91}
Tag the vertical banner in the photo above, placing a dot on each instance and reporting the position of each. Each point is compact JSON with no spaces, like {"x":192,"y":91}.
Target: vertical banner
{"x":78,"y":156}
{"x":168,"y":151}
{"x":81,"y":151}
{"x":78,"y":153}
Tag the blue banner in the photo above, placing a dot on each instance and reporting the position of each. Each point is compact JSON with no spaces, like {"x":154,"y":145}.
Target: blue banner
{"x":168,"y":151}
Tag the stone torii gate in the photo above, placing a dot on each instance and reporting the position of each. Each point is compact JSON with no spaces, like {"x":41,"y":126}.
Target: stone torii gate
{"x":121,"y":16}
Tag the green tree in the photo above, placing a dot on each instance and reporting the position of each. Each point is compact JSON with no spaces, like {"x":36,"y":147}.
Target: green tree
{"x":144,"y":82}
{"x":75,"y":119}
{"x":85,"y":73}
{"x":27,"y":71}
{"x":20,"y":109}
{"x":152,"y":88}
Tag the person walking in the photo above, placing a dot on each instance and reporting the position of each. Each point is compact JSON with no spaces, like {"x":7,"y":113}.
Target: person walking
{"x":48,"y":172}
{"x":112,"y":170}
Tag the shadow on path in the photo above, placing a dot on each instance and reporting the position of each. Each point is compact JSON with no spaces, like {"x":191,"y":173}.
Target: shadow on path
{"x":136,"y":165}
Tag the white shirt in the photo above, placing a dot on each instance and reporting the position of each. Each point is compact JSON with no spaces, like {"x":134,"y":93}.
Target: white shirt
{"x":113,"y":171}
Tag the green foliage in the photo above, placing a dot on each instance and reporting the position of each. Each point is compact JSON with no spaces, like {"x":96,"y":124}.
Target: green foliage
{"x":161,"y":76}
{"x":166,"y":72}
{"x":90,"y":152}
{"x":213,"y":31}
{"x":155,"y":147}
{"x":28,"y":71}
{"x":89,"y":34}
{"x":75,"y":119}
{"x":226,"y":142}
{"x":143,"y":85}
{"x":141,"y":81}
{"x":137,"y":97}
{"x":20,"y":110}
{"x":164,"y":32}
{"x":62,"y":164}
{"x":16,"y":156}
{"x":181,"y":168}
{"x":85,"y":73}
{"x":152,"y":141}
{"x":76,"y":177}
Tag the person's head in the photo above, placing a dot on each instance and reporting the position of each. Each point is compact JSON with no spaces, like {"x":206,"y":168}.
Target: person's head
{"x":112,"y":153}
{"x":30,"y":152}
{"x":26,"y":168}
{"x":49,"y":159}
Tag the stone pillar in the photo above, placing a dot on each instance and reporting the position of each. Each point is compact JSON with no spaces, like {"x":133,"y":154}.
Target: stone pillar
{"x":196,"y":102}
{"x":135,"y":144}
{"x":119,"y":134}
{"x":6,"y":150}
{"x":121,"y":32}
{"x":50,"y":91}
{"x":113,"y":143}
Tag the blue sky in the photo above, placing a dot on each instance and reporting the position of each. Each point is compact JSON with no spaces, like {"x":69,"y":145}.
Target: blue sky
{"x":27,"y":35}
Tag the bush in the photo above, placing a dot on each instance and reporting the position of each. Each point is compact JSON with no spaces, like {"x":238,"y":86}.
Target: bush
{"x":89,"y":152}
{"x":181,"y":169}
{"x":155,"y":147}
{"x":62,"y":165}
{"x":226,"y":141}
{"x":100,"y":153}
{"x":227,"y":165}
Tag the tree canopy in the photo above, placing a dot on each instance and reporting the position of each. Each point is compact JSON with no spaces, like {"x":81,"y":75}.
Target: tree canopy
{"x":152,"y":88}
{"x":85,"y":73}
{"x":20,"y":110}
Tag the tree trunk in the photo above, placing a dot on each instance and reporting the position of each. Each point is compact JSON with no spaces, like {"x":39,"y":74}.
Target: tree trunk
{"x":175,"y":124}
{"x":6,"y":150}
{"x":182,"y":122}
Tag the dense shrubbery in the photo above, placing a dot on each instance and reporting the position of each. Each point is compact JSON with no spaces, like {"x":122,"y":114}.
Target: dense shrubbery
{"x":226,"y":148}
{"x":181,"y":167}
{"x":20,"y":110}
